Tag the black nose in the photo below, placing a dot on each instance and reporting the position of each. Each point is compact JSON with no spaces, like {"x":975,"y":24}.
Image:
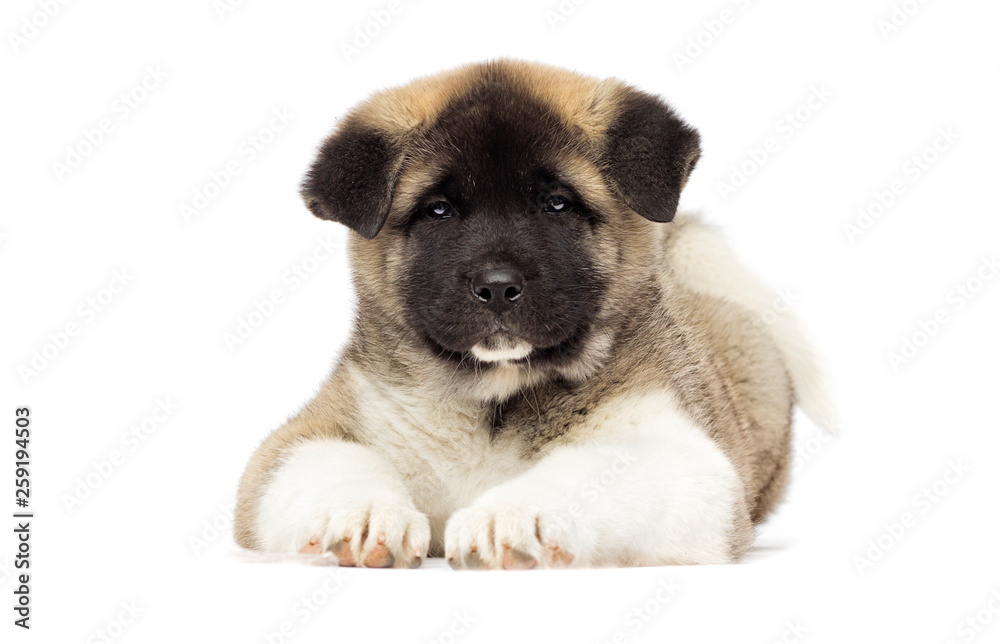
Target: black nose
{"x":498,"y":288}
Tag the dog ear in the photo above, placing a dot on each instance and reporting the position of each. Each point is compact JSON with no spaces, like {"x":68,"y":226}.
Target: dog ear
{"x":353,"y":177}
{"x":647,"y":154}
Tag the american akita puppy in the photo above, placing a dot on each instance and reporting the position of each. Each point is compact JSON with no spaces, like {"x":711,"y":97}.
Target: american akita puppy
{"x":543,"y":371}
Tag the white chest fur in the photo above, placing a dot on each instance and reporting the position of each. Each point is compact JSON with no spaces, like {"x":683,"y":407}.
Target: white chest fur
{"x":442,"y":450}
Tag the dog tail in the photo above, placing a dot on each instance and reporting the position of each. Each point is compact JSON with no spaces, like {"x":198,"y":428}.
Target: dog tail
{"x":702,"y":261}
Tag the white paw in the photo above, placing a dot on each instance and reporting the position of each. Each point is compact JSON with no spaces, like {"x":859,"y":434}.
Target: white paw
{"x":381,"y":533}
{"x":341,"y":498}
{"x":496,"y":533}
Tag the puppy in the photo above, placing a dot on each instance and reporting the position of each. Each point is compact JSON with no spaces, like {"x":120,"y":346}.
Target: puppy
{"x":546,"y":368}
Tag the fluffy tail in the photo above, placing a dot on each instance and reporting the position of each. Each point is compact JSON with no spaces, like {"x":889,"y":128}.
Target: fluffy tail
{"x":703,"y":262}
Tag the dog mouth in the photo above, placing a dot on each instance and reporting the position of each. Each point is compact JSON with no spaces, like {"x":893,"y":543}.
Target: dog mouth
{"x":500,"y":348}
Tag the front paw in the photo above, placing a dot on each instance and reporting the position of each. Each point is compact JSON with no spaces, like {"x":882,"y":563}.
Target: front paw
{"x":371,"y":534}
{"x":342,"y":499}
{"x":512,"y":535}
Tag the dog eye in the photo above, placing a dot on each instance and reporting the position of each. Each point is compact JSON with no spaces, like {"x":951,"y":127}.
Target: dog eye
{"x":439,"y":210}
{"x":557,"y":204}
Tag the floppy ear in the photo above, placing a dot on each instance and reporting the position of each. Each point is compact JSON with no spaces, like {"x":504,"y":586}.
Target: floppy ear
{"x":353,"y":177}
{"x":648,"y":153}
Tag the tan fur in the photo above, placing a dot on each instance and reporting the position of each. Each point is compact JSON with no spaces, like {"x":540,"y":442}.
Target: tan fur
{"x":585,"y":102}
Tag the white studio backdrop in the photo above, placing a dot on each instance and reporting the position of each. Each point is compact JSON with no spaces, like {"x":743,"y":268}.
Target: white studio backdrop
{"x":168,"y":301}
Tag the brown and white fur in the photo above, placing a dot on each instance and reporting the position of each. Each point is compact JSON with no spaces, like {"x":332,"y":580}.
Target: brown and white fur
{"x":658,"y":433}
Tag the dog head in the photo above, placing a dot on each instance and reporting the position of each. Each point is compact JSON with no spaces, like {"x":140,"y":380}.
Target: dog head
{"x":505,"y":212}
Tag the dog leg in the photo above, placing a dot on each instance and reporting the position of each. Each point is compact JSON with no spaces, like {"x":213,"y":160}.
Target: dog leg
{"x":334,"y":496}
{"x":656,"y":490}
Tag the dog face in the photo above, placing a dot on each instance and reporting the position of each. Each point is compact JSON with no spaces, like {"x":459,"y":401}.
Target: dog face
{"x":504,"y":210}
{"x":499,"y":257}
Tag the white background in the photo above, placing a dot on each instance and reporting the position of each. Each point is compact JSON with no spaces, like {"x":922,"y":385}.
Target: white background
{"x":144,"y":534}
